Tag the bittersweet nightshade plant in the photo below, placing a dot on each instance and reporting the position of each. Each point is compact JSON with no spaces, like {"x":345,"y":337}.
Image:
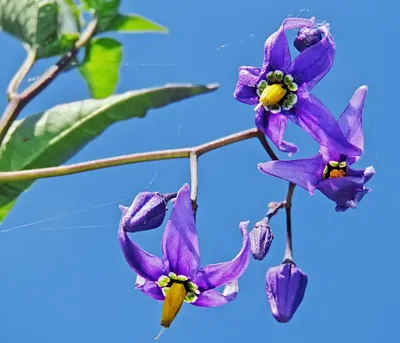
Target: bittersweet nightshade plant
{"x":285,"y":287}
{"x":280,"y":89}
{"x":146,"y":212}
{"x":177,"y":277}
{"x":329,"y":171}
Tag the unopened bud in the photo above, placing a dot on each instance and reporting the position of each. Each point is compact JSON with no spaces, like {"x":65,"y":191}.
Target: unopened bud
{"x":285,"y":288}
{"x":261,"y":238}
{"x":307,"y":37}
{"x":146,"y":212}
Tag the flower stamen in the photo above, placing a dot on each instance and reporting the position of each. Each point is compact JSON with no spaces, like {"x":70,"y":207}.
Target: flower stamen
{"x":272,"y":94}
{"x":335,"y":169}
{"x":172,"y":303}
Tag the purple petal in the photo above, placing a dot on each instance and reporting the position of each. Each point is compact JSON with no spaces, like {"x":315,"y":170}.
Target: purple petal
{"x":350,"y":121}
{"x":305,"y":172}
{"x":146,"y":265}
{"x":319,"y":122}
{"x":347,"y":191}
{"x":311,"y":65}
{"x":215,"y":275}
{"x":246,"y":94}
{"x":285,"y":288}
{"x":213,"y":298}
{"x":179,"y":242}
{"x":149,"y":288}
{"x":274,"y":125}
{"x":276,"y":49}
{"x":123,"y":209}
{"x":249,"y":76}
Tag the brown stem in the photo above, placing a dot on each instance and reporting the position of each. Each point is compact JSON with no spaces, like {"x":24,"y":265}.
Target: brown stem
{"x":289,"y":246}
{"x":19,"y":101}
{"x":127,"y":159}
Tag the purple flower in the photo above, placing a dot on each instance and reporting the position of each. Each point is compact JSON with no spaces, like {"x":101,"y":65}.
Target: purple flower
{"x":146,"y":212}
{"x":261,"y":238}
{"x":177,"y":277}
{"x":285,"y":288}
{"x":281,"y":89}
{"x":329,"y":171}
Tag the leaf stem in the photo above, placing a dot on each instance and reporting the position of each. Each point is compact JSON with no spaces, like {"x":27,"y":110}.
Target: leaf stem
{"x":130,"y":159}
{"x":19,"y":101}
{"x":12,"y":89}
{"x":289,"y":246}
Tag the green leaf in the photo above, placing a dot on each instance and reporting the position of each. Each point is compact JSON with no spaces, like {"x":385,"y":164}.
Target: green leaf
{"x":70,"y":16}
{"x":58,"y":47}
{"x":106,"y":11}
{"x":50,"y":26}
{"x":52,"y":137}
{"x":33,"y":21}
{"x":4,"y":209}
{"x":100,"y":67}
{"x":134,"y":23}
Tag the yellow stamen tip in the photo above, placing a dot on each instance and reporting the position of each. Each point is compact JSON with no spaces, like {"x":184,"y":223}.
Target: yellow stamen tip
{"x":272,"y":94}
{"x":159,"y":334}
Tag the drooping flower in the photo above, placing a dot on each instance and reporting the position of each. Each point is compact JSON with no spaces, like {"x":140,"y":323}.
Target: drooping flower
{"x":261,"y":238}
{"x":281,"y":89}
{"x":147,"y":211}
{"x":285,"y":287}
{"x":177,"y":277}
{"x":329,"y":171}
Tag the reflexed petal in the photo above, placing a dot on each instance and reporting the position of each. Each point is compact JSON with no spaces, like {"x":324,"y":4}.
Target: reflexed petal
{"x":215,"y":275}
{"x":350,"y":121}
{"x":149,"y":288}
{"x":274,"y":125}
{"x":276,"y":49}
{"x":246,"y":94}
{"x":213,"y":298}
{"x":347,"y":191}
{"x":249,"y":76}
{"x":319,"y":122}
{"x":146,"y":265}
{"x":179,"y":242}
{"x":123,"y":209}
{"x":311,"y":65}
{"x":305,"y":172}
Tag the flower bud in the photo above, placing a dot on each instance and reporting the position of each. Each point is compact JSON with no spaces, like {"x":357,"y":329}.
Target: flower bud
{"x":307,"y":37}
{"x":260,"y":240}
{"x":285,"y":288}
{"x":146,"y":212}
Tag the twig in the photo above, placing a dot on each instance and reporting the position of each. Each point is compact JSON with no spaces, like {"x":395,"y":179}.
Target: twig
{"x":19,"y":101}
{"x":194,"y":179}
{"x":20,"y":75}
{"x":127,"y":159}
{"x":289,"y":246}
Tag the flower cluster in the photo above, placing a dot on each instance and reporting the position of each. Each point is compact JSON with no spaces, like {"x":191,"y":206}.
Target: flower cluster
{"x":279,"y":90}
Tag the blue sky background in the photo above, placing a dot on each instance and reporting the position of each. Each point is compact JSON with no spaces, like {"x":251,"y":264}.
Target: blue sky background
{"x":64,"y":282}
